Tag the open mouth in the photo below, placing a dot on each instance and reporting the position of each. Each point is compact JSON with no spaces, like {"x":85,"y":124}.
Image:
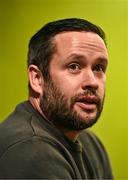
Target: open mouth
{"x":88,"y":103}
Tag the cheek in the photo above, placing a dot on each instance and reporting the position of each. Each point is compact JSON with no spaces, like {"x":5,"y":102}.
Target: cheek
{"x":102,"y":88}
{"x":67,"y":86}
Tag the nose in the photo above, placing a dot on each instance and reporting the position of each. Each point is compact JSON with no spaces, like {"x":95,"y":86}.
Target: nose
{"x":89,"y":80}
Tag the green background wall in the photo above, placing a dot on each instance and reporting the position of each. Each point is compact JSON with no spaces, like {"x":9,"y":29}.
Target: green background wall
{"x":19,"y":19}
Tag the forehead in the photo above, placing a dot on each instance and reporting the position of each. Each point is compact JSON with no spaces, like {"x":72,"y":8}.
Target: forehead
{"x":72,"y":41}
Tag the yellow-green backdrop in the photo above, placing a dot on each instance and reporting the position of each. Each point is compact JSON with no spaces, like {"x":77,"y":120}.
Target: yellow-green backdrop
{"x":19,"y":19}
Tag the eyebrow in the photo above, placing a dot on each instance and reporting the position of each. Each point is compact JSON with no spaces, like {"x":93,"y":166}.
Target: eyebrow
{"x":76,"y":57}
{"x":103,"y":60}
{"x":81,"y":57}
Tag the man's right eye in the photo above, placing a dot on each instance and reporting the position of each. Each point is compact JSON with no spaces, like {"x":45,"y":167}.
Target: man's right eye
{"x":74,"y":68}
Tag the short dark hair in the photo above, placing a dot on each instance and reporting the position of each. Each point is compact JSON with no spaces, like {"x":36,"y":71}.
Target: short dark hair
{"x":42,"y":47}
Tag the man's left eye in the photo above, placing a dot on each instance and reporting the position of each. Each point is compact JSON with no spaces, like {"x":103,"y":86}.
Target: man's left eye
{"x":99,"y":68}
{"x":74,"y":68}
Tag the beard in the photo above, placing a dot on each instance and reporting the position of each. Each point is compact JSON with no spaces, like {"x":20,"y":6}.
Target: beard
{"x":59,"y":109}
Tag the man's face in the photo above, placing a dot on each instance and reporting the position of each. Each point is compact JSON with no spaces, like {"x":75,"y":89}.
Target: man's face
{"x":73,"y":97}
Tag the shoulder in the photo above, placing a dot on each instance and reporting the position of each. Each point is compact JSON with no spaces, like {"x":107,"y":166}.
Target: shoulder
{"x":35,"y":157}
{"x":15,"y":128}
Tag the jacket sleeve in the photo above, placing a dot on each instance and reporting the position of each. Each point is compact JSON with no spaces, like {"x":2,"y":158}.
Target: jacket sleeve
{"x":34,"y":158}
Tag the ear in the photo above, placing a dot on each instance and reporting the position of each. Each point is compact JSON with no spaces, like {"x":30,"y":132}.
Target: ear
{"x":35,"y":79}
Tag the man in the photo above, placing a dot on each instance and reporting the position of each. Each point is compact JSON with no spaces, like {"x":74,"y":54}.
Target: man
{"x":46,"y":137}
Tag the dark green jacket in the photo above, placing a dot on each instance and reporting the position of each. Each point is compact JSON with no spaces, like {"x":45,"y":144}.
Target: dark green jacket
{"x":30,"y":147}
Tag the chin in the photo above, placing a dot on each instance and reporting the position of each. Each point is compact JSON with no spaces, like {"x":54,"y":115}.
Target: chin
{"x":88,"y":119}
{"x":87,"y":116}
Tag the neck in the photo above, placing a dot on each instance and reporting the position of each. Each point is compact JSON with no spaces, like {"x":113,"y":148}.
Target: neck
{"x":70,"y":134}
{"x":36,"y":105}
